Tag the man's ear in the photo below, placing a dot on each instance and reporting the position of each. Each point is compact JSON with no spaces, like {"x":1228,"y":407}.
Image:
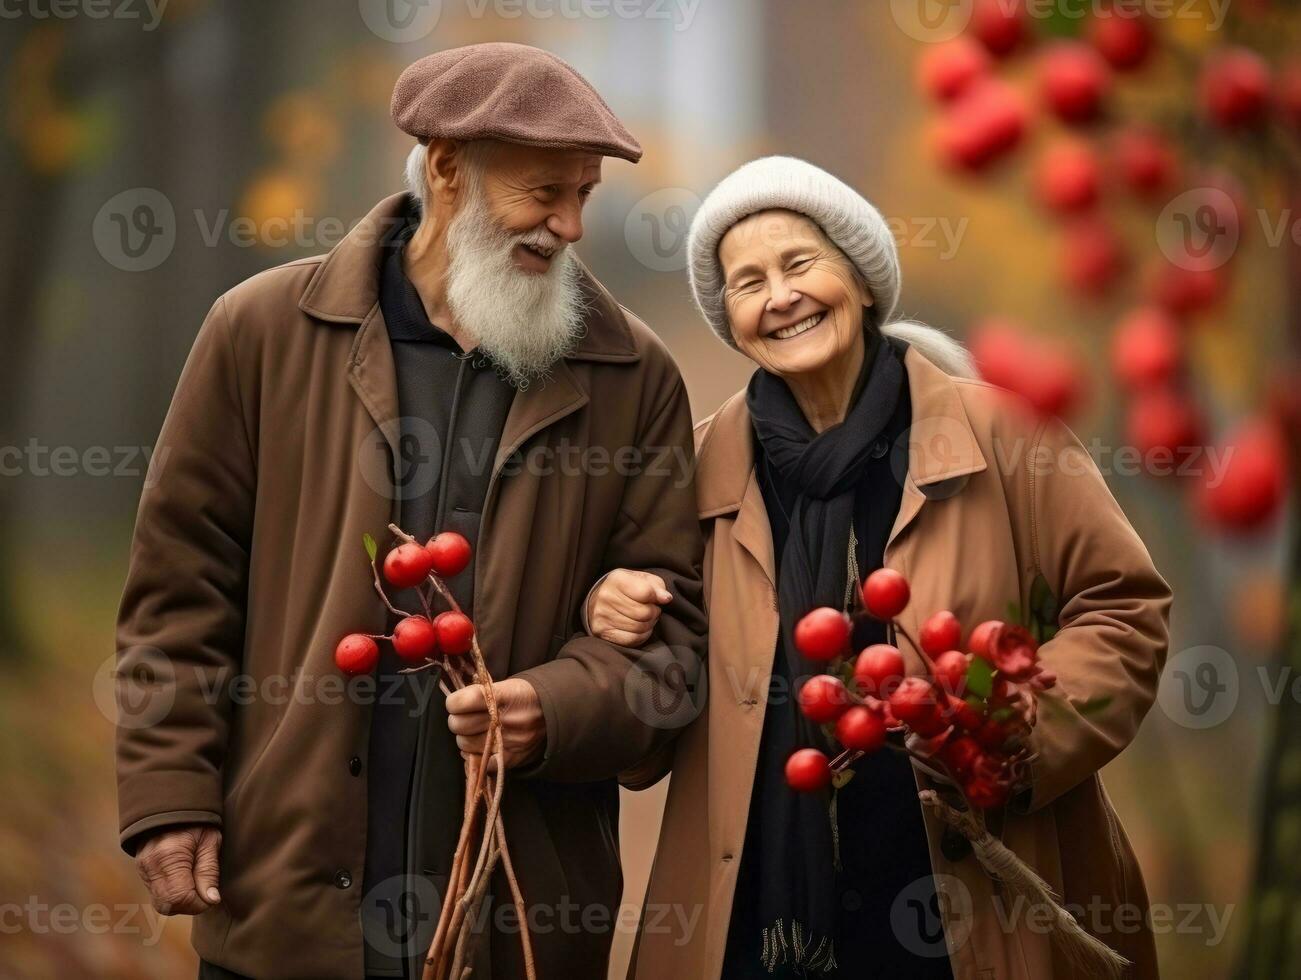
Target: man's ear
{"x":442,"y":169}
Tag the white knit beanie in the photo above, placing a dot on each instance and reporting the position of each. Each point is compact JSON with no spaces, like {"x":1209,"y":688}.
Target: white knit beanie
{"x":844,"y":215}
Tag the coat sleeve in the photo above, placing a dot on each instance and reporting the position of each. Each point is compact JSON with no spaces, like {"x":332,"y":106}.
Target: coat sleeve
{"x":609,"y":708}
{"x":180,"y":627}
{"x":1113,"y":622}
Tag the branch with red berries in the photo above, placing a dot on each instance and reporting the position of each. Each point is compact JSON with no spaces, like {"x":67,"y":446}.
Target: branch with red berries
{"x":448,"y":644}
{"x":965,"y":721}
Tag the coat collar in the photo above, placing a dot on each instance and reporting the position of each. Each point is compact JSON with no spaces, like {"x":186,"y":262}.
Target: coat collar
{"x":345,"y":289}
{"x":942,"y":449}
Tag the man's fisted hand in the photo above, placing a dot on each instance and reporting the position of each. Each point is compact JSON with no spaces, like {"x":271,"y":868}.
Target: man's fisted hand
{"x":179,"y":865}
{"x":626,"y":606}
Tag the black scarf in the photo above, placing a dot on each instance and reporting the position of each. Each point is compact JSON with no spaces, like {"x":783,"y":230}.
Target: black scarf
{"x":796,"y":875}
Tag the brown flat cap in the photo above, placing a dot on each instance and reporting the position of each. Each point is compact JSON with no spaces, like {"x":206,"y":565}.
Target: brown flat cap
{"x":509,"y":92}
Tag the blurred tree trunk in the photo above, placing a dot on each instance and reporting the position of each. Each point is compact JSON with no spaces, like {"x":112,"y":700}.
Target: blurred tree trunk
{"x":1272,"y":946}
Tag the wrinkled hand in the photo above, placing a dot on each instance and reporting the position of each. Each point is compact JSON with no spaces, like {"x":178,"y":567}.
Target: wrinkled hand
{"x":523,"y":729}
{"x":626,"y":606}
{"x":179,"y":866}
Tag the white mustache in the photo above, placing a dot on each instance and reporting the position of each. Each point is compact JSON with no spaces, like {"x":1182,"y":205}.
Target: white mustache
{"x":543,"y":240}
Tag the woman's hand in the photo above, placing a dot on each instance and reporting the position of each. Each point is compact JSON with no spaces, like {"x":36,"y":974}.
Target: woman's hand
{"x":625,"y":606}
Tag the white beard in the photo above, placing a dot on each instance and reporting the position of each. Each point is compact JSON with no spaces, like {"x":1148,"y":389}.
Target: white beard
{"x":525,"y":322}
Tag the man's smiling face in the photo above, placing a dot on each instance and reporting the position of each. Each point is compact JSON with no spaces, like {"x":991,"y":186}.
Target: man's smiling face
{"x":537,"y":195}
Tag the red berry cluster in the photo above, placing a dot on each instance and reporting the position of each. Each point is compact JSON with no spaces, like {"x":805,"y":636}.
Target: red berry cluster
{"x":1083,"y":74}
{"x":416,"y":639}
{"x":968,"y":716}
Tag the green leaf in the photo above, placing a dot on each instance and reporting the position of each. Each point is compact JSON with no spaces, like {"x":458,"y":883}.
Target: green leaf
{"x":980,"y":677}
{"x":371,"y":548}
{"x":841,"y":779}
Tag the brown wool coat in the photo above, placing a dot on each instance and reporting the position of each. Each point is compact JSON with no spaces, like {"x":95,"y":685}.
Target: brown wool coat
{"x":991,"y":501}
{"x":248,"y":559}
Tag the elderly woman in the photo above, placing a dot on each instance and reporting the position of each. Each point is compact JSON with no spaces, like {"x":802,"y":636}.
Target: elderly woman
{"x":862,"y":442}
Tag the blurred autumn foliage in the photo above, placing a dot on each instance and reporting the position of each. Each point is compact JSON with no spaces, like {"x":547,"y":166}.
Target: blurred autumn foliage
{"x":1199,"y":132}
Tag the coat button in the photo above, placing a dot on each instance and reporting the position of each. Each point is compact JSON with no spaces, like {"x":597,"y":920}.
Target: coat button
{"x":354,"y":766}
{"x":342,"y":879}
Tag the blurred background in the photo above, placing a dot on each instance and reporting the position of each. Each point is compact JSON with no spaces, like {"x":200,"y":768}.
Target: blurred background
{"x":1104,"y":205}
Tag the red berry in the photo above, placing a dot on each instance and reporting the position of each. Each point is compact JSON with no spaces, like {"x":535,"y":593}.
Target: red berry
{"x":823,"y":634}
{"x":951,"y":671}
{"x":1092,"y":257}
{"x":940,"y":632}
{"x":807,"y":771}
{"x":1165,"y":421}
{"x":991,"y":734}
{"x":1235,"y":88}
{"x":1074,"y":81}
{"x":823,"y":698}
{"x":1000,"y":25}
{"x":879,"y":669}
{"x":861,"y":729}
{"x":963,"y":714}
{"x":1183,"y":290}
{"x":984,"y":123}
{"x":961,"y":755}
{"x":946,"y":69}
{"x":984,"y":792}
{"x":981,"y":635}
{"x":915,"y":701}
{"x":1125,"y":41}
{"x":1067,"y":177}
{"x":1145,"y":161}
{"x":455,"y":633}
{"x":1248,"y":491}
{"x":449,"y":554}
{"x":356,"y":654}
{"x":406,"y":566}
{"x":1147,"y":348}
{"x":414,"y":639}
{"x":885,"y":593}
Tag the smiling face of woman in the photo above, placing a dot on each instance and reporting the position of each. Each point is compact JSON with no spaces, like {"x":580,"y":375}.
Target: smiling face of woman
{"x":793,"y":299}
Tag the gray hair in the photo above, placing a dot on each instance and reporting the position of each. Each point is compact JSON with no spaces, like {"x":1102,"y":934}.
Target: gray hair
{"x":474,"y":157}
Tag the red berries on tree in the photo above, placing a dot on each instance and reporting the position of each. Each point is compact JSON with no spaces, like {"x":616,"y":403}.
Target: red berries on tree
{"x":1068,"y":177}
{"x":946,"y":70}
{"x":823,"y":634}
{"x":407,"y":565}
{"x":356,"y":654}
{"x":1146,"y":349}
{"x":1235,"y":88}
{"x":1074,"y":81}
{"x":1124,"y":39}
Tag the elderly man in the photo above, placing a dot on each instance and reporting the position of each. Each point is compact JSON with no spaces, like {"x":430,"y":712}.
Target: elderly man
{"x":452,"y":366}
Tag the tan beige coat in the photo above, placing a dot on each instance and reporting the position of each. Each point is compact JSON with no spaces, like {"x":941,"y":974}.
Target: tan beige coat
{"x":991,"y":501}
